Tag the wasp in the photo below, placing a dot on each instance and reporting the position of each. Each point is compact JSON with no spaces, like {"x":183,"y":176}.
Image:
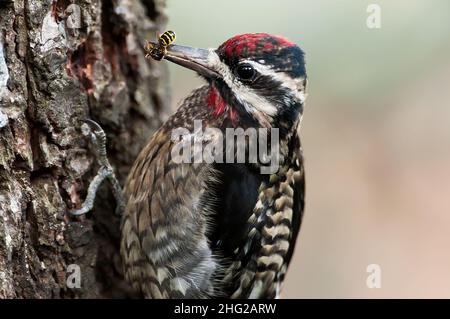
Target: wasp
{"x":157,"y":51}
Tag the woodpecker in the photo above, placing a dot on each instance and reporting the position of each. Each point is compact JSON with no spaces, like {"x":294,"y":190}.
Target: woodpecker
{"x":220,"y":229}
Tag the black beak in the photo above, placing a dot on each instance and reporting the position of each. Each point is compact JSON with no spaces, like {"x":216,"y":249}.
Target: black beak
{"x":192,"y":58}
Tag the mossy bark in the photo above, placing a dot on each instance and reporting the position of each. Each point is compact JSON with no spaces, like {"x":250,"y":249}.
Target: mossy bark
{"x":52,"y":77}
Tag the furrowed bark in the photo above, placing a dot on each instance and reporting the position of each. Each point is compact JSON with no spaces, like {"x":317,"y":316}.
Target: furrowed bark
{"x":52,"y":77}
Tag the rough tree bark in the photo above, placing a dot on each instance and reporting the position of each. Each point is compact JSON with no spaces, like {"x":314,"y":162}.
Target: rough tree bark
{"x":52,"y":77}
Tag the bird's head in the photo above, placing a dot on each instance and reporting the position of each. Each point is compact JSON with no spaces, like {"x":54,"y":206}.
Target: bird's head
{"x":257,"y":77}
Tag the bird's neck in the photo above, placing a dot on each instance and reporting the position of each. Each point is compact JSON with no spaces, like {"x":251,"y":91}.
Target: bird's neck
{"x":226,"y":115}
{"x":226,"y":108}
{"x":219,"y":106}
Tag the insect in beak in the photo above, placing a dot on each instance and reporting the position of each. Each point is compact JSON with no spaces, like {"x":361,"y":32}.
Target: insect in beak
{"x":157,"y":51}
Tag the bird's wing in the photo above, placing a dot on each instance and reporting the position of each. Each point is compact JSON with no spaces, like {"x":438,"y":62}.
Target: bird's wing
{"x":275,"y":224}
{"x":165,"y":251}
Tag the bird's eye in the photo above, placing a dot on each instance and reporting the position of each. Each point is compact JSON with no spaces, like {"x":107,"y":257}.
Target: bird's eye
{"x":245,"y":72}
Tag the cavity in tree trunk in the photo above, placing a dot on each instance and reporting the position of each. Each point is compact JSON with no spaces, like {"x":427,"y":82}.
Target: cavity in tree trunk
{"x":62,"y":62}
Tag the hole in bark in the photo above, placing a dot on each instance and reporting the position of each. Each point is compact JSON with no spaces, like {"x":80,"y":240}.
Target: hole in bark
{"x":58,"y":7}
{"x":114,"y":37}
{"x":124,"y":66}
{"x":150,"y":9}
{"x":81,"y":62}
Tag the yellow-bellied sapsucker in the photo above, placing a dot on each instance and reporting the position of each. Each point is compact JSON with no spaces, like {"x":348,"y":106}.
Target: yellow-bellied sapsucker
{"x":202,"y":228}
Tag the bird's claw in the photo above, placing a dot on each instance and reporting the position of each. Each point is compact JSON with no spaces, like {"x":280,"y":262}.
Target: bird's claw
{"x":98,"y":138}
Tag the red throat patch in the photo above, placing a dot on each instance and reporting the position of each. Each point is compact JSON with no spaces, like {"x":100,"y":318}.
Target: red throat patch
{"x":217,"y":103}
{"x":215,"y":100}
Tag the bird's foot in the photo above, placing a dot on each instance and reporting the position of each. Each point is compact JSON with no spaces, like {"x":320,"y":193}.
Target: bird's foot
{"x":98,"y":138}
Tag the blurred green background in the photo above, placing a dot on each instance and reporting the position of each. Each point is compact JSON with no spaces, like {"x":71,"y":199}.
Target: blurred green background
{"x":376,"y":136}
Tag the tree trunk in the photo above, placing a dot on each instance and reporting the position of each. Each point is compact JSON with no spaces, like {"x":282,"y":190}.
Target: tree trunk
{"x":55,"y":73}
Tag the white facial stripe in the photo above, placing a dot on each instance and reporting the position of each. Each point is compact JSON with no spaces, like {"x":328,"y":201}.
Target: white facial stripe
{"x":245,"y":95}
{"x":294,"y":85}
